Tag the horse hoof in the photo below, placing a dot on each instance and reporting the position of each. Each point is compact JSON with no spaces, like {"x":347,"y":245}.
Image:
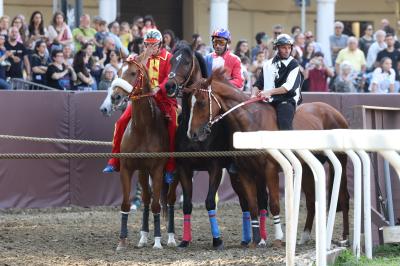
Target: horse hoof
{"x":184,"y":244}
{"x":253,"y":245}
{"x":171,"y":240}
{"x":245,"y":244}
{"x":277,"y":243}
{"x":122,"y":245}
{"x":143,"y":239}
{"x":157,"y":243}
{"x":157,"y":246}
{"x":305,"y":237}
{"x":218,"y":244}
{"x":262,"y":243}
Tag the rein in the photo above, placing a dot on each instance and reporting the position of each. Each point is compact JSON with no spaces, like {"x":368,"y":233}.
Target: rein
{"x":138,"y":85}
{"x":212,"y":121}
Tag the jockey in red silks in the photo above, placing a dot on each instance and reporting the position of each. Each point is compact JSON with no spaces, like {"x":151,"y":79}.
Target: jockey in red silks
{"x":158,"y":64}
{"x":222,"y":57}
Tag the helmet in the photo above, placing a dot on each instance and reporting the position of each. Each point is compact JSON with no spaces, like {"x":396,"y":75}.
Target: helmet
{"x":153,"y":36}
{"x":283,"y":39}
{"x":221,"y":33}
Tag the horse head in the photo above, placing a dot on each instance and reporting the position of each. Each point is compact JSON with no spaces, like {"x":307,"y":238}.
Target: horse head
{"x":183,"y":69}
{"x":132,"y":81}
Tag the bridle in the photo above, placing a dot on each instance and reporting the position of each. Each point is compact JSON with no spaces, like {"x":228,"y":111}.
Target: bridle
{"x":172,"y":75}
{"x":211,"y":97}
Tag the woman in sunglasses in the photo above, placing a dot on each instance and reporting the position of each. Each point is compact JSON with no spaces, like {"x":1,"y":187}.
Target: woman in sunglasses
{"x":222,"y":57}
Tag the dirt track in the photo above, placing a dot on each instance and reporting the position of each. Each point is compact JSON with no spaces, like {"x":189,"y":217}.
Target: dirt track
{"x":83,"y":236}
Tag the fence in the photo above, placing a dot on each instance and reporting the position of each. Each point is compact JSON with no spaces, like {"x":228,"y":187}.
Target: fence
{"x":355,"y":143}
{"x":22,"y":84}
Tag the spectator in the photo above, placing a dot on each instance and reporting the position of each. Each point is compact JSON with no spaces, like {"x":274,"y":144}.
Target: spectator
{"x":383,"y":77}
{"x":84,"y":81}
{"x":203,"y":49}
{"x":390,"y":52}
{"x":262,"y":41}
{"x":338,"y":41}
{"x":367,"y":39}
{"x":295,"y":30}
{"x":107,"y":77}
{"x":104,"y":52}
{"x":169,"y":40}
{"x":114,"y":28}
{"x":384,"y":23}
{"x":59,"y":32}
{"x":375,"y":48}
{"x":196,"y":41}
{"x":114,"y":33}
{"x":149,"y":24}
{"x":310,"y":39}
{"x":4,"y":64}
{"x":115,"y":61}
{"x":4,"y":25}
{"x":68,"y":55}
{"x":125,"y":34}
{"x":344,"y":81}
{"x":18,"y":57}
{"x":39,"y":62}
{"x":36,"y":31}
{"x":317,"y":74}
{"x":276,"y":31}
{"x":259,"y":62}
{"x":308,"y":54}
{"x":18,"y":23}
{"x":246,"y":73}
{"x":94,"y":65}
{"x":242,"y":49}
{"x":59,"y":75}
{"x":135,"y":31}
{"x":84,"y":33}
{"x":136,"y":46}
{"x":138,"y":21}
{"x":299,"y":45}
{"x":102,"y":33}
{"x":352,"y":54}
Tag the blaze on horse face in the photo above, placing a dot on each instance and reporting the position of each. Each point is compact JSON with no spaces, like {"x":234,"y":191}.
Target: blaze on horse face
{"x":201,"y":105}
{"x":181,"y":68}
{"x":120,"y":96}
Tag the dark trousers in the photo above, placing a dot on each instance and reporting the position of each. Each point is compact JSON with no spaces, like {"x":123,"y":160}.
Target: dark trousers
{"x":284,"y":114}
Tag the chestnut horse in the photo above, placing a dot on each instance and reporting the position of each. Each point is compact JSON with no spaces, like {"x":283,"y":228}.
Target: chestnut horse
{"x":188,"y":68}
{"x":146,"y":132}
{"x":216,"y":96}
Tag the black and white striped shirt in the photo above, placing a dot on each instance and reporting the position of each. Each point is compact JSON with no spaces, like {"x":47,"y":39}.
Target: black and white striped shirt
{"x":282,"y":73}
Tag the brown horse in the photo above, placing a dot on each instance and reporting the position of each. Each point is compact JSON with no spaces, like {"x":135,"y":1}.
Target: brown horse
{"x":146,"y":132}
{"x":216,"y":96}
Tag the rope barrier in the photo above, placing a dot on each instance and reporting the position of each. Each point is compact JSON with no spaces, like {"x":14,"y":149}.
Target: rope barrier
{"x":143,"y":155}
{"x":55,"y":140}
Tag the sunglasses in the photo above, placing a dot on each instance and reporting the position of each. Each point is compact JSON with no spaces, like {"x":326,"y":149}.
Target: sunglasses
{"x":221,"y":42}
{"x":277,"y":33}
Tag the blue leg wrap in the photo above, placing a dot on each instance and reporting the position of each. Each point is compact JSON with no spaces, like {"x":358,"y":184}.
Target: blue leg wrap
{"x":213,"y":223}
{"x":124,"y":226}
{"x":246,"y":227}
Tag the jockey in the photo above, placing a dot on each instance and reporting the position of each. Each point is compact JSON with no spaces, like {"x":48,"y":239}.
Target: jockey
{"x":222,"y":57}
{"x":280,"y":82}
{"x":157,"y":60}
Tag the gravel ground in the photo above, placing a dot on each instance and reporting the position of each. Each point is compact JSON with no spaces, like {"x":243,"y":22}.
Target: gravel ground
{"x":89,"y":236}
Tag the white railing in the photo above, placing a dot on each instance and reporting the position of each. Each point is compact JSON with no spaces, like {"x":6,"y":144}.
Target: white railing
{"x":356,"y":144}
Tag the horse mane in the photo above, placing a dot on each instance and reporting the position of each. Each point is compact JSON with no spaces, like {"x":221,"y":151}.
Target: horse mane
{"x":185,"y":47}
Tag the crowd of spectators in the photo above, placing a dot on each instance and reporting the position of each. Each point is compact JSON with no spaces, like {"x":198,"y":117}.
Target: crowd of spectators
{"x":89,"y":56}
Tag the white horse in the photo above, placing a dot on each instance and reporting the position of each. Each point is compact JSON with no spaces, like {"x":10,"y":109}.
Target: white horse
{"x":107,"y":108}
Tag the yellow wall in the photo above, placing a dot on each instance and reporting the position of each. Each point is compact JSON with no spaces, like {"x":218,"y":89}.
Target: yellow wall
{"x":247,"y":17}
{"x":15,"y":7}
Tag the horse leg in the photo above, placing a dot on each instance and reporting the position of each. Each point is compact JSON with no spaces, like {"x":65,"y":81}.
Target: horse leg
{"x":146,"y":194}
{"x":246,"y":227}
{"x":157,"y":178}
{"x":171,"y":198}
{"x":185,"y":175}
{"x":125,"y":176}
{"x":272,"y":179}
{"x":308,"y":185}
{"x":215,"y":175}
{"x":262,"y":201}
{"x":250,"y":195}
{"x":344,"y":198}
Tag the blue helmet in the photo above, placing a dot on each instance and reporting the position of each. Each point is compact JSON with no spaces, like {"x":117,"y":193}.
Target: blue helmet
{"x":221,"y":33}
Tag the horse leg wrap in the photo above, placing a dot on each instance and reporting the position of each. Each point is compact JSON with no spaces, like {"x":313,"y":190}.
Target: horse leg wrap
{"x":246,"y":228}
{"x":278,"y":228}
{"x":124,"y":226}
{"x":145,"y":220}
{"x":212,"y":215}
{"x":171,"y":224}
{"x":187,"y":228}
{"x":263,"y":220}
{"x":157,"y":228}
{"x":255,"y":226}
